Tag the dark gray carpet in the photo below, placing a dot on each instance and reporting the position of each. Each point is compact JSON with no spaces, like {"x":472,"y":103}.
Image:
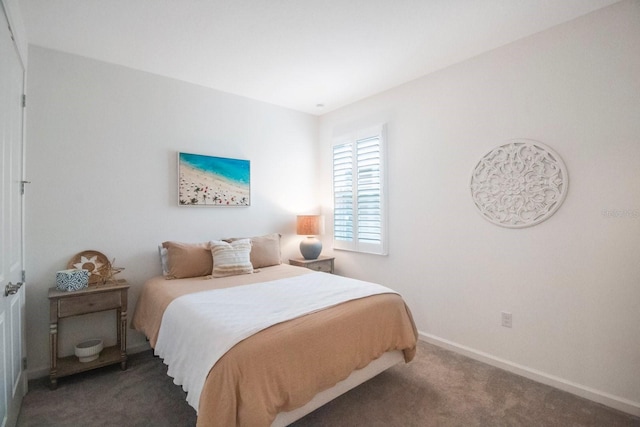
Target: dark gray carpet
{"x":143,"y":395}
{"x":439,"y":388}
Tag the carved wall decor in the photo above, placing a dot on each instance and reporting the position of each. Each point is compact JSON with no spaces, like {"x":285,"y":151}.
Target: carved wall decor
{"x":519,"y":184}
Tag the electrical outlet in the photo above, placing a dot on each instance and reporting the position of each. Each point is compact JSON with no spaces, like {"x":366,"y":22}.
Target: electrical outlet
{"x":506,"y":319}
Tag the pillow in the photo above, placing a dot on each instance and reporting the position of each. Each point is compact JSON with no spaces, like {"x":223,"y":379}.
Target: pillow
{"x":188,"y":259}
{"x":265,"y":250}
{"x":163,"y":260}
{"x":230,"y":259}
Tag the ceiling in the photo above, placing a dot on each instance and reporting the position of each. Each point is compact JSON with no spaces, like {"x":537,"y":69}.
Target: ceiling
{"x":292,"y":53}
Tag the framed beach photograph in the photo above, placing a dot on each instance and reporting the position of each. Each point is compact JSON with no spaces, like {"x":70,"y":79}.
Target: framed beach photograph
{"x":213,"y":181}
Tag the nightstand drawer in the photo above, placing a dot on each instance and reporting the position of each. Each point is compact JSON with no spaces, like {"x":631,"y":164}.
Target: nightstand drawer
{"x":323,"y":264}
{"x":83,"y":304}
{"x":320,"y":266}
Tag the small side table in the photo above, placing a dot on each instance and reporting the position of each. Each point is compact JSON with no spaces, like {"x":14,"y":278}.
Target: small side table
{"x":323,"y":263}
{"x":112,"y":296}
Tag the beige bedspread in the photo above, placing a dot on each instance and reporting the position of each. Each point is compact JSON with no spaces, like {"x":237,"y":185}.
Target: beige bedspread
{"x":281,"y":368}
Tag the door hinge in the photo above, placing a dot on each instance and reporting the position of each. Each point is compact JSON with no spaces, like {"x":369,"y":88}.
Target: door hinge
{"x":22,"y":183}
{"x":24,"y":276}
{"x":24,"y":100}
{"x":24,"y":363}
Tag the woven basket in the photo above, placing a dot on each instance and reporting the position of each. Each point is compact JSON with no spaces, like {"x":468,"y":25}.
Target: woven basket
{"x":95,"y":262}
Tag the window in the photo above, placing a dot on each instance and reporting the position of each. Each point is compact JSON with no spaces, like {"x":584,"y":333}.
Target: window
{"x":359,"y":208}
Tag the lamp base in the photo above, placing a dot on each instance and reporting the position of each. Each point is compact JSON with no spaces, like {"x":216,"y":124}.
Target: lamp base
{"x":310,"y":248}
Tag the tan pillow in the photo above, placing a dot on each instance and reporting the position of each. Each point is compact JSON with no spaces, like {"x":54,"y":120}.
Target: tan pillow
{"x":188,"y":259}
{"x":230,"y":259}
{"x":265,"y":250}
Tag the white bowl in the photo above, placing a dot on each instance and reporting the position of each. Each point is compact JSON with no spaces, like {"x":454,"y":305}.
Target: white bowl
{"x":89,"y":350}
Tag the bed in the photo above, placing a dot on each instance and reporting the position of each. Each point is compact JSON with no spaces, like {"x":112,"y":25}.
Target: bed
{"x":282,"y":370}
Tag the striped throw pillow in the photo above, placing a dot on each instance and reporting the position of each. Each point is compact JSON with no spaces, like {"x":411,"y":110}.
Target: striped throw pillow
{"x":230,"y":259}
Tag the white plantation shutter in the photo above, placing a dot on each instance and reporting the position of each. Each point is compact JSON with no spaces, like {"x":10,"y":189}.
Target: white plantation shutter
{"x":359,"y":215}
{"x":343,"y":192}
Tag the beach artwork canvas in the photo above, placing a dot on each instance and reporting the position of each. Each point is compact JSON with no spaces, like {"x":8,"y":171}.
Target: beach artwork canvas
{"x":213,"y":181}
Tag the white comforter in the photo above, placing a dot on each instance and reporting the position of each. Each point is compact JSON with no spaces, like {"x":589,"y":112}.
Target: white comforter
{"x":198,"y":329}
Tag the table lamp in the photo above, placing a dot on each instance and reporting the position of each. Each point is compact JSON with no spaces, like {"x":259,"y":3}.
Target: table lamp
{"x":310,"y":226}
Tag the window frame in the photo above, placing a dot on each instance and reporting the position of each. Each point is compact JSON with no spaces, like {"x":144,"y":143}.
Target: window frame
{"x":352,"y":138}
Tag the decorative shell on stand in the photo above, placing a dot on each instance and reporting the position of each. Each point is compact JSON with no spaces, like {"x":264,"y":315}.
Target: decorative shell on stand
{"x":519,"y":184}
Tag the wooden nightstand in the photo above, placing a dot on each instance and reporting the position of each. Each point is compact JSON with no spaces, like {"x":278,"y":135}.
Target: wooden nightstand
{"x":93,"y":299}
{"x":323,"y":263}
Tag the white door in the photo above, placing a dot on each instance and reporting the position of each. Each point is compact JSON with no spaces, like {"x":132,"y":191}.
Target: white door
{"x":12,"y":300}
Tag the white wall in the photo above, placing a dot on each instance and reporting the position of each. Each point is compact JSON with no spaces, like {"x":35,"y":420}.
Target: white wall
{"x":102,"y":142}
{"x":571,"y":282}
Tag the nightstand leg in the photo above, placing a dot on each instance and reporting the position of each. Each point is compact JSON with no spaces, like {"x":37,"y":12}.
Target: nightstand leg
{"x":53,"y":344}
{"x":122,"y":340}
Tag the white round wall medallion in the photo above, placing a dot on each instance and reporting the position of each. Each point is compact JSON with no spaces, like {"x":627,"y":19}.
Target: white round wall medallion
{"x":519,"y":184}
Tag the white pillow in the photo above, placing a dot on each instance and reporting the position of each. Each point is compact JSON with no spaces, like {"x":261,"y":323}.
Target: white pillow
{"x":230,"y":259}
{"x":163,"y":260}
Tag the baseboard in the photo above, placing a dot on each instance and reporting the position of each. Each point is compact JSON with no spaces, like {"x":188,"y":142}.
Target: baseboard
{"x":34,"y":374}
{"x":606,"y":399}
{"x":41,"y":372}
